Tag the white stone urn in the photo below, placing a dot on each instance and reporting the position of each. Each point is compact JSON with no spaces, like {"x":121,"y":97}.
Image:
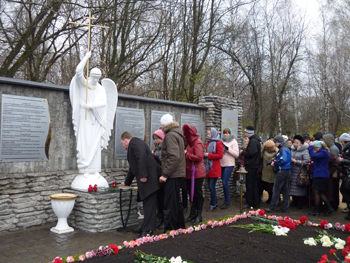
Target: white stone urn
{"x":62,"y":205}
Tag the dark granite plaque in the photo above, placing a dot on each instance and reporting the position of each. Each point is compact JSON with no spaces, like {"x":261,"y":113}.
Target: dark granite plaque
{"x":131,"y":120}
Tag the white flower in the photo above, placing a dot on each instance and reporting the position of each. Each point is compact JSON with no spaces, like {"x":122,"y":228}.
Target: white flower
{"x":340,"y":241}
{"x":327,"y":244}
{"x":310,"y":241}
{"x":280,"y":231}
{"x":176,"y":260}
{"x":339,"y":246}
{"x":329,"y":225}
{"x":325,"y":239}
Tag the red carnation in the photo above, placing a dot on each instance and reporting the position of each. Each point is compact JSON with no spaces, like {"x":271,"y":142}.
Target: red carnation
{"x":262,"y":212}
{"x":90,"y":188}
{"x":348,"y":241}
{"x":323,"y":223}
{"x":347,"y":227}
{"x":332,"y":252}
{"x":95,"y":188}
{"x":303,"y":219}
{"x":114,"y":248}
{"x":346,"y":251}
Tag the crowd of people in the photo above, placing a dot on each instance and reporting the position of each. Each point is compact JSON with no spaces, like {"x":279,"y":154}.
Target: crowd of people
{"x":302,"y":169}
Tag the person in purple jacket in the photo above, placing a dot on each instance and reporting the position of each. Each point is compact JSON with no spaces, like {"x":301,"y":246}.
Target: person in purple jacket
{"x":319,"y":153}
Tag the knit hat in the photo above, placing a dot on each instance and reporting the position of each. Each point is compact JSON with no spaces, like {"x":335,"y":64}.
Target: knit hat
{"x":285,"y":137}
{"x":318,"y":144}
{"x":249,"y":129}
{"x":328,"y":138}
{"x":345,"y":137}
{"x":318,"y":135}
{"x":300,"y":138}
{"x":278,"y":138}
{"x":269,"y":144}
{"x":166,"y":119}
{"x":160,"y":134}
{"x":306,"y":136}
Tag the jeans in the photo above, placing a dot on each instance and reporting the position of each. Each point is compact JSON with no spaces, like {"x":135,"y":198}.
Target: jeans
{"x":281,"y":186}
{"x":225,"y":177}
{"x":212,"y":189}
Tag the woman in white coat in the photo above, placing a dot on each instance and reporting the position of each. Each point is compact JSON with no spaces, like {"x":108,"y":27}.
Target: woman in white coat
{"x":231,"y":152}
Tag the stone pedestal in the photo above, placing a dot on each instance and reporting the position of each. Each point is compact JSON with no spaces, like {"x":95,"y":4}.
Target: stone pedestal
{"x":95,"y":212}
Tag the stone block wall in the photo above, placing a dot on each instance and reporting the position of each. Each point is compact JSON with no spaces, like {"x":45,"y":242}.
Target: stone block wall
{"x":213,"y":119}
{"x":25,"y":187}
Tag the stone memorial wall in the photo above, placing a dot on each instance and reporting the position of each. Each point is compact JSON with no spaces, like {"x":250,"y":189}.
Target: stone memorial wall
{"x":25,"y":187}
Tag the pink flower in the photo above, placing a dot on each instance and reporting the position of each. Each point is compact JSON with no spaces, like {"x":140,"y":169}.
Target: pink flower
{"x":145,"y":239}
{"x":138,"y":242}
{"x":156,"y":238}
{"x":234,"y":219}
{"x":90,"y":254}
{"x":81,"y":257}
{"x":249,"y":215}
{"x":176,"y":233}
{"x":165,"y":236}
{"x":190,"y":230}
{"x":70,"y":259}
{"x":274,"y":217}
{"x":203,"y":226}
{"x":172,"y":233}
{"x":309,"y":223}
{"x":126,"y":244}
{"x":197,"y":228}
{"x":227,"y":222}
{"x":216,"y":223}
{"x":180,"y":230}
{"x":151,"y":239}
{"x":132,"y":243}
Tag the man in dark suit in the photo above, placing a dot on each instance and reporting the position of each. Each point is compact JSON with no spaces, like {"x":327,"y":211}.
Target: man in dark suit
{"x":142,"y":166}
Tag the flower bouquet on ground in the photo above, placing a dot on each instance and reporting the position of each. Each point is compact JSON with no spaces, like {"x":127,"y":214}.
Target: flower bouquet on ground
{"x":266,"y":228}
{"x":325,"y":239}
{"x":142,"y":257}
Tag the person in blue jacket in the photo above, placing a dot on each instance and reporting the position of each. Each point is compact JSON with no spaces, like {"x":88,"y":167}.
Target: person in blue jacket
{"x":319,"y":153}
{"x":282,"y":165}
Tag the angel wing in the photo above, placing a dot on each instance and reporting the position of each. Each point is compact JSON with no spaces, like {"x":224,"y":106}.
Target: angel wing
{"x":112,"y":101}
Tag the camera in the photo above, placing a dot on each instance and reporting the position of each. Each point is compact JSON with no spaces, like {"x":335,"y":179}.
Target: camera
{"x":269,"y":162}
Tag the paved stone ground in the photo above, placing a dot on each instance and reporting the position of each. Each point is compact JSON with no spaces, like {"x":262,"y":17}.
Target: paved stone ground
{"x":40,"y":245}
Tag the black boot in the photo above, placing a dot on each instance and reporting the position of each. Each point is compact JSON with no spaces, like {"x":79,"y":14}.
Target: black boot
{"x":198,"y":217}
{"x":329,"y":208}
{"x":192,"y":215}
{"x":316,"y":212}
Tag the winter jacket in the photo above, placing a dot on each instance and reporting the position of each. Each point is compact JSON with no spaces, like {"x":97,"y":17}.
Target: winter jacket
{"x":142,"y":164}
{"x":195,"y":152}
{"x":301,"y":154}
{"x":215,"y":172}
{"x":268,"y":175}
{"x":284,"y":157}
{"x":231,"y":153}
{"x":329,"y":140}
{"x":252,"y":155}
{"x":321,"y":158}
{"x":173,"y":152}
{"x":346,"y":159}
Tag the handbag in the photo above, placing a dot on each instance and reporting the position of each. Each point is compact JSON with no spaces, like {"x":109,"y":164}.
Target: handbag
{"x":303,"y":178}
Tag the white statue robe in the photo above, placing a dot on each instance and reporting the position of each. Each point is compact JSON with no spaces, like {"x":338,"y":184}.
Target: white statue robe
{"x":90,"y":132}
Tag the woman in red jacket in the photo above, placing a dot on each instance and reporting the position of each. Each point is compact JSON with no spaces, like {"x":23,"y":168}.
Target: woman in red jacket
{"x":194,"y":155}
{"x":213,"y":154}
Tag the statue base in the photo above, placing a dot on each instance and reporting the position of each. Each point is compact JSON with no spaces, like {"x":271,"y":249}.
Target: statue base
{"x":82,"y":181}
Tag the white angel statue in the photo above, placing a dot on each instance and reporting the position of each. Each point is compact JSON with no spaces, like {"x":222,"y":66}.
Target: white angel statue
{"x":92,"y":122}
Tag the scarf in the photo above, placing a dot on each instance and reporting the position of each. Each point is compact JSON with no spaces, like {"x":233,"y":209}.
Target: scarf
{"x":211,"y":148}
{"x":229,"y":139}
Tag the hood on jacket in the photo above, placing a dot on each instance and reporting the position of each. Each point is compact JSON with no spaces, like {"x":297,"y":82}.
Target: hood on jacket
{"x":284,"y":145}
{"x":301,"y":148}
{"x":190,"y":134}
{"x":328,"y":139}
{"x":175,"y":126}
{"x":254,"y":137}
